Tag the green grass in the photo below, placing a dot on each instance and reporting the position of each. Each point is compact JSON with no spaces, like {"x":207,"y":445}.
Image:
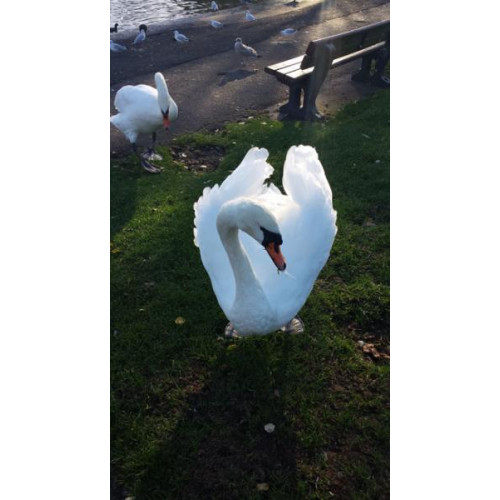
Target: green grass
{"x":188,"y":408}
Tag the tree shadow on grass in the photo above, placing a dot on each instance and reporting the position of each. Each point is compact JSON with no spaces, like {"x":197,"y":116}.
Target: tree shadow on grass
{"x":219,"y":448}
{"x":123,"y":191}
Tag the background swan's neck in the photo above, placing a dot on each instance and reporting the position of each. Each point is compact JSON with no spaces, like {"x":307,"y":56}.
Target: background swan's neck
{"x":163,"y":96}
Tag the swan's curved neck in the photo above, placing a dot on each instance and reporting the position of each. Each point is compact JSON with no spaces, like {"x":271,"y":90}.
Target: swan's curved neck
{"x":247,"y":284}
{"x":163,"y":95}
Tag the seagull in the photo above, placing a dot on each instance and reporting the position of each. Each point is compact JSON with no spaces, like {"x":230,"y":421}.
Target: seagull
{"x":216,"y":24}
{"x":288,"y":31}
{"x":116,"y":47}
{"x":141,"y":36}
{"x":115,"y":29}
{"x":214,"y":5}
{"x":180,"y":37}
{"x":241,"y":48}
{"x":249,"y":16}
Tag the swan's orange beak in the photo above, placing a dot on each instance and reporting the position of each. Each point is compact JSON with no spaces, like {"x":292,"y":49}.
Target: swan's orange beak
{"x":166,"y":122}
{"x":277,"y":257}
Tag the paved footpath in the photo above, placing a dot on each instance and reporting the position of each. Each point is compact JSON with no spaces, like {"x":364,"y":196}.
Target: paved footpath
{"x":213,"y":85}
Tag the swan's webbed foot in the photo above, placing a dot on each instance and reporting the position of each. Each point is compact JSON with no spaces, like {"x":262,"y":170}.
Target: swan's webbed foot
{"x":149,"y":167}
{"x":145,"y":163}
{"x":294,"y":327}
{"x":152,"y":155}
{"x":230,"y":332}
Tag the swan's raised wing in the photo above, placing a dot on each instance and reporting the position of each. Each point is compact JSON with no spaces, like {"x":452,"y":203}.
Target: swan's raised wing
{"x":246,"y":181}
{"x":307,"y":223}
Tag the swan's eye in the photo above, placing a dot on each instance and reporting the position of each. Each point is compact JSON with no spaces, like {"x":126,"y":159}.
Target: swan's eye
{"x":166,"y":120}
{"x":271,"y":237}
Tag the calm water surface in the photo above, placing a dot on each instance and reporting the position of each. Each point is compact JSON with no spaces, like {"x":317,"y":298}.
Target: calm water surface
{"x":130,"y":13}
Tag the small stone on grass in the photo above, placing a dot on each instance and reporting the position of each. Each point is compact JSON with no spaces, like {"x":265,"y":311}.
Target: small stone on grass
{"x":269,"y":428}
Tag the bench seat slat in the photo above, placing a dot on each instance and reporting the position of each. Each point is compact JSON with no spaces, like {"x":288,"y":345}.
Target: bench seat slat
{"x":289,"y":69}
{"x":282,"y":65}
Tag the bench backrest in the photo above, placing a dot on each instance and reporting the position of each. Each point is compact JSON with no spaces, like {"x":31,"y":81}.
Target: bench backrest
{"x":351,"y":41}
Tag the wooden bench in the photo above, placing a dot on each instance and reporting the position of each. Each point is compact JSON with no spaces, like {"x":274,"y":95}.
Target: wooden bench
{"x":308,"y":72}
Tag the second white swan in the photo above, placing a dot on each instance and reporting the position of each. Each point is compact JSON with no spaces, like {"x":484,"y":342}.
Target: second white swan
{"x":235,"y":220}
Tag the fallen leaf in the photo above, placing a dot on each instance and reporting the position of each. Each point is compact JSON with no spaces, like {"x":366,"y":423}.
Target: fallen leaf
{"x":372,"y":351}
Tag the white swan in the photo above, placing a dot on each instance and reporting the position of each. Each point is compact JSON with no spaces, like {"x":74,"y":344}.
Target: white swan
{"x":233,"y":222}
{"x":144,"y":110}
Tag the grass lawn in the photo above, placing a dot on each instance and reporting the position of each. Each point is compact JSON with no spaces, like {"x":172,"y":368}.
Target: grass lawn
{"x":188,"y":408}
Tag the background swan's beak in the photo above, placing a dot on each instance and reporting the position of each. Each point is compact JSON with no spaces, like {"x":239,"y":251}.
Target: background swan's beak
{"x":277,"y":257}
{"x":166,"y":122}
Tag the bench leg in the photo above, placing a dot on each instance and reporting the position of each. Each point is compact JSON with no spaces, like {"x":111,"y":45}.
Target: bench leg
{"x":363,"y":75}
{"x":292,"y":107}
{"x":378,"y":78}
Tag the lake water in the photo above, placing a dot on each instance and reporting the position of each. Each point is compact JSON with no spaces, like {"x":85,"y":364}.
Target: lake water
{"x":130,"y":13}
